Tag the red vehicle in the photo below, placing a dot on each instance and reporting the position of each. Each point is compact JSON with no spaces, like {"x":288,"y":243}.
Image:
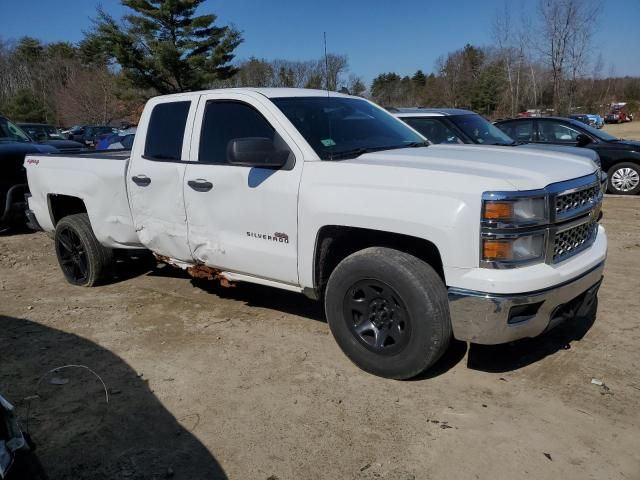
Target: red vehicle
{"x":618,"y":114}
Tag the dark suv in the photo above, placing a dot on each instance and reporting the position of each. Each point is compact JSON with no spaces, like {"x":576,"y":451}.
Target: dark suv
{"x":620,"y":158}
{"x":14,"y":145}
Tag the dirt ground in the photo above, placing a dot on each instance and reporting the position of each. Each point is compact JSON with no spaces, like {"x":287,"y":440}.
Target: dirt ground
{"x":629,"y":130}
{"x":247,"y":383}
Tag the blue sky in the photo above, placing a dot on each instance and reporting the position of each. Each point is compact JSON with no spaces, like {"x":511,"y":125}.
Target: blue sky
{"x":377,"y":36}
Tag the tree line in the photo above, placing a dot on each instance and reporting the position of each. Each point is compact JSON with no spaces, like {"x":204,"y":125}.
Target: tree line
{"x":545,"y":61}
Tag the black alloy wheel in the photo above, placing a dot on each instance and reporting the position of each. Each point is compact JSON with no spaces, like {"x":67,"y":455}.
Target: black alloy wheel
{"x":83,"y":260}
{"x":72,"y":256}
{"x":377,"y":316}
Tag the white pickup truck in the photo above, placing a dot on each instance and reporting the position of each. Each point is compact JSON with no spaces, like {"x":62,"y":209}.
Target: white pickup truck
{"x":408,"y":245}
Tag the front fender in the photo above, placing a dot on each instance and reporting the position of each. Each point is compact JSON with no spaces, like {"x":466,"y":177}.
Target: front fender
{"x":448,"y":219}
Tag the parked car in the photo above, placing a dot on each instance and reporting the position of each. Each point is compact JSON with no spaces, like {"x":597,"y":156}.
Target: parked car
{"x":620,"y":158}
{"x":90,"y":135}
{"x":49,"y":135}
{"x":121,"y":140}
{"x":14,"y":145}
{"x":595,"y":120}
{"x":331,"y":196}
{"x":41,"y":131}
{"x":457,"y":126}
{"x":618,"y":116}
{"x":581,"y":118}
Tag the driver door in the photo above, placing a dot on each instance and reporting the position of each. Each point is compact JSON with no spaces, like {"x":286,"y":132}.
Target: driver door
{"x":242,"y":218}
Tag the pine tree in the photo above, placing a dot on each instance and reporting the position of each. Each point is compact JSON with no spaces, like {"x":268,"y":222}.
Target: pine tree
{"x":163,"y":45}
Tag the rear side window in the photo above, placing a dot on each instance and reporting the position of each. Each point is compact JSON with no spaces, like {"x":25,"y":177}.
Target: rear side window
{"x":519,"y":131}
{"x":166,"y":131}
{"x":227,"y":121}
{"x":554,"y":132}
{"x":433,"y":129}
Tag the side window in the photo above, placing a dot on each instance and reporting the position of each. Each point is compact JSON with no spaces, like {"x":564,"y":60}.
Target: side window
{"x":227,"y":121}
{"x":433,"y":129}
{"x":519,"y":131}
{"x":553,"y":132}
{"x":166,"y":131}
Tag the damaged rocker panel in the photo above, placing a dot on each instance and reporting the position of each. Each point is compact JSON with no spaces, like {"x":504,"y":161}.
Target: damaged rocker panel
{"x":198,"y":270}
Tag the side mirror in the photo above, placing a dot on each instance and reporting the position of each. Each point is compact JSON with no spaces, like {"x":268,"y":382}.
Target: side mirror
{"x":256,"y":152}
{"x":583,"y":139}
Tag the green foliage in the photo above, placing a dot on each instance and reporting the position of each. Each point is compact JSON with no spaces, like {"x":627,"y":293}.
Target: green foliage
{"x":63,"y":50}
{"x":29,"y":49}
{"x":356,"y":86}
{"x":385,"y":88}
{"x":419,"y":79}
{"x":165,"y":46}
{"x":25,"y":107}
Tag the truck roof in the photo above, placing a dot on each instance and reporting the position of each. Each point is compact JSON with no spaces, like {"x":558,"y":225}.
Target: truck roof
{"x":269,"y":92}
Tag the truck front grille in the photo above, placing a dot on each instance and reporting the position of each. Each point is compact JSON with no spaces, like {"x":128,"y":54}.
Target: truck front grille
{"x":574,"y":203}
{"x":569,"y":242}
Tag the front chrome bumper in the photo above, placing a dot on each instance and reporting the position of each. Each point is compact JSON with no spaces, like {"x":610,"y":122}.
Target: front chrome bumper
{"x":489,"y":318}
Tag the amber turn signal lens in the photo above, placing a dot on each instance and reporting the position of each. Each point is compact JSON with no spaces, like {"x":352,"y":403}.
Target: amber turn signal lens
{"x":498,"y":210}
{"x":497,"y":250}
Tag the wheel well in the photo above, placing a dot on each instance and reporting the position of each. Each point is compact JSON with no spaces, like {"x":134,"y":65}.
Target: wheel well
{"x":62,"y":205}
{"x":335,"y":243}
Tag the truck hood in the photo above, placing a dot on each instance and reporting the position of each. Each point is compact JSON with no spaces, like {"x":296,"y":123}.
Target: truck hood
{"x":523,"y":169}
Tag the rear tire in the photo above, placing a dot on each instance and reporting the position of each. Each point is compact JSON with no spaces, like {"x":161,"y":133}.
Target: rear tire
{"x":624,"y":179}
{"x":82,"y":259}
{"x":388,"y":312}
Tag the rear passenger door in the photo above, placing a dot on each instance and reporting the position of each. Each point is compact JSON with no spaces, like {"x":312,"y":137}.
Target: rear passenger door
{"x":557,"y":133}
{"x":242,"y":218}
{"x":156,"y":174}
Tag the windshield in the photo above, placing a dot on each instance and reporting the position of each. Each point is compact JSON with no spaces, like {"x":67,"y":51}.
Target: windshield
{"x":339,"y":127}
{"x":593,"y":131}
{"x":11,"y":133}
{"x":480,"y":130}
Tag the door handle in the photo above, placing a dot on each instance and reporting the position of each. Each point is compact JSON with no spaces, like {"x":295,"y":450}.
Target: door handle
{"x":141,"y":180}
{"x":200,"y":185}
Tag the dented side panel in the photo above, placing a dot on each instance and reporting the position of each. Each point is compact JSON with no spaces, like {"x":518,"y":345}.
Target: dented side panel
{"x":248,"y":221}
{"x":158,"y":207}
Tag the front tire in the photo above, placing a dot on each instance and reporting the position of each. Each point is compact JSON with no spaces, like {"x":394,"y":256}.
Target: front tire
{"x":624,"y":179}
{"x":388,"y":312}
{"x":82,"y":259}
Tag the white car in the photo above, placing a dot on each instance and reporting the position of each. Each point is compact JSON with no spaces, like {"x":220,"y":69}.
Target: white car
{"x":331,"y":196}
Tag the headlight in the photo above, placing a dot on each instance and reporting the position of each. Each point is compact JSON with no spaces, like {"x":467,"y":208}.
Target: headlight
{"x":513,"y":228}
{"x":517,"y":212}
{"x":513,"y":249}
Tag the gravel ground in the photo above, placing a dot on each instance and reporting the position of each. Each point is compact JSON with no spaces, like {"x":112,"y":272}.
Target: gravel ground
{"x":247,"y":383}
{"x":629,"y":130}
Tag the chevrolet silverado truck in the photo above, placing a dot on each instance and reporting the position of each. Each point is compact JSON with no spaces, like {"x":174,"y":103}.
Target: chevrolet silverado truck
{"x":408,"y":244}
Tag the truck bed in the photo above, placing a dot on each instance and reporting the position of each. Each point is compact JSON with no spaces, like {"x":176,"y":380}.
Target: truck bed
{"x":122,"y":155}
{"x":95,"y":178}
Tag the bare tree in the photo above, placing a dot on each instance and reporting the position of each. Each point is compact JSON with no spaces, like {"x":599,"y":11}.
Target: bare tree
{"x":89,"y":96}
{"x":336,"y":66}
{"x":566,"y":30}
{"x":510,"y":52}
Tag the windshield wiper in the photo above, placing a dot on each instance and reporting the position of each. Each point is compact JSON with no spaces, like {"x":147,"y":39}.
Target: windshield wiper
{"x":356,"y":152}
{"x":353,"y":153}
